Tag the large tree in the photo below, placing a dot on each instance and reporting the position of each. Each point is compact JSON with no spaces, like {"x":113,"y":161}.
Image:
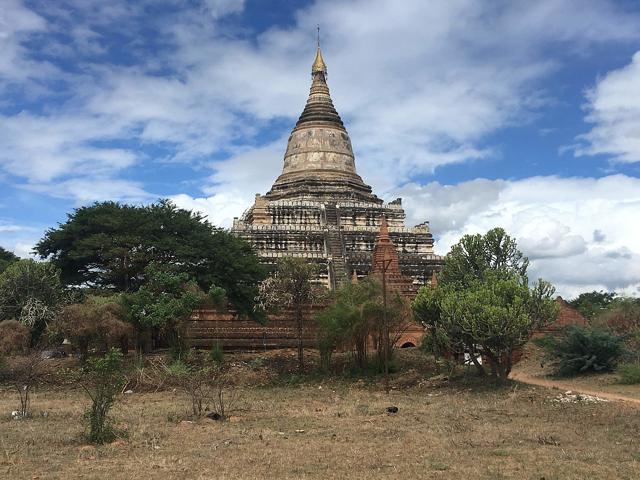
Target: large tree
{"x":292,"y":286}
{"x":483,"y":304}
{"x":109,"y":245}
{"x":6,"y":259}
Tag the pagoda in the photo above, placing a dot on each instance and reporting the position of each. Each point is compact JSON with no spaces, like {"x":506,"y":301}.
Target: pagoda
{"x":320,"y":209}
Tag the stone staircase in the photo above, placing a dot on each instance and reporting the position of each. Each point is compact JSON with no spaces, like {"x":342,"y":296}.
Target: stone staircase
{"x":333,"y":238}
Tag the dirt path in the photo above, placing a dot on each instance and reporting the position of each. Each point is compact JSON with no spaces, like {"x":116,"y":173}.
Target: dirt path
{"x":567,"y":385}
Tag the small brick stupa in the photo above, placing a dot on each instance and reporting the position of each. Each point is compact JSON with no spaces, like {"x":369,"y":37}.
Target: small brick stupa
{"x":385,"y":255}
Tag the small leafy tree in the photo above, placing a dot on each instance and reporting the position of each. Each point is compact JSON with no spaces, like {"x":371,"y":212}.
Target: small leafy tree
{"x":31,"y":293}
{"x":292,"y":286}
{"x":483,"y":304}
{"x":216,"y":354}
{"x":102,"y":380}
{"x":583,"y":350}
{"x":160,"y":305}
{"x":98,"y":322}
{"x":355,"y":321}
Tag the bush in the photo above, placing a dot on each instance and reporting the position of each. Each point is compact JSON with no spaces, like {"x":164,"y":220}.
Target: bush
{"x":14,"y":337}
{"x":583,"y":350}
{"x":629,"y":373}
{"x":23,"y":373}
{"x":207,"y":387}
{"x":102,"y":379}
{"x":216,"y":354}
{"x":98,"y":322}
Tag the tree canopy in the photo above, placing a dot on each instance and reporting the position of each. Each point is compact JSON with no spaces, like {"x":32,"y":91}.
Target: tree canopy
{"x":6,"y":258}
{"x":108,"y":245}
{"x":474,"y":255}
{"x":591,"y":304}
{"x":483,"y":305}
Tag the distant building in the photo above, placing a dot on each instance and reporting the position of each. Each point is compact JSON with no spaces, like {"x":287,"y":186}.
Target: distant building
{"x":320,"y":209}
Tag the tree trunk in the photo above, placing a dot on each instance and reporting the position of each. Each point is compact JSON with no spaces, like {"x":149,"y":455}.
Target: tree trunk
{"x":300,"y":347}
{"x":83,"y":349}
{"x":124,"y":345}
{"x":481,"y":370}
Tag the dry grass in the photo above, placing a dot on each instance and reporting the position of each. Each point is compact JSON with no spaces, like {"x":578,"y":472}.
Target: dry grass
{"x":332,"y":429}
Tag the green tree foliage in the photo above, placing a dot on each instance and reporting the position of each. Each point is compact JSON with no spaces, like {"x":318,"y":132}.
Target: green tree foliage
{"x":292,"y":286}
{"x":102,"y":380}
{"x":354,"y":320}
{"x":476,"y":255}
{"x":166,"y":298}
{"x":31,"y":292}
{"x":97,"y":322}
{"x":6,"y":259}
{"x":483,"y":304}
{"x":592,"y":304}
{"x":109,"y":245}
{"x":582,"y":350}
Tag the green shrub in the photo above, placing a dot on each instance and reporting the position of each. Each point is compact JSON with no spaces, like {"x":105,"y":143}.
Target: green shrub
{"x":629,"y":373}
{"x":256,"y":363}
{"x":582,"y":350}
{"x":216,"y":354}
{"x":102,"y":380}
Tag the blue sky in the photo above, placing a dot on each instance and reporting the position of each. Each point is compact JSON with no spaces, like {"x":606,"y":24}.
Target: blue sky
{"x":513,"y":113}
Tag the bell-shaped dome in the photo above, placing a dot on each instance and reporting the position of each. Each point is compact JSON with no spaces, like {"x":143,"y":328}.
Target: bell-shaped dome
{"x":319,"y":147}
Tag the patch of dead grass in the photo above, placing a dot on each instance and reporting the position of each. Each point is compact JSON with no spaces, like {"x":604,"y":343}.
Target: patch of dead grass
{"x":331,"y":430}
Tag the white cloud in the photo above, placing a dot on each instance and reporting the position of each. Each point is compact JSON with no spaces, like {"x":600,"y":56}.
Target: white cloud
{"x":578,"y":232}
{"x":16,"y":23}
{"x":220,"y":209}
{"x":614,"y":110}
{"x":17,"y":238}
{"x":253,"y":169}
{"x":220,"y":8}
{"x":88,"y":190}
{"x":414,"y":98}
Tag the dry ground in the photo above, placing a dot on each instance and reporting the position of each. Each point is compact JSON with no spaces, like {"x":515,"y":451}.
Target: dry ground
{"x":332,"y":429}
{"x":533,"y":366}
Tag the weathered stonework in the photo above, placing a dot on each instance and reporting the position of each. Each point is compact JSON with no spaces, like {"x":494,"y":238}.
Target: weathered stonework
{"x":320,"y":209}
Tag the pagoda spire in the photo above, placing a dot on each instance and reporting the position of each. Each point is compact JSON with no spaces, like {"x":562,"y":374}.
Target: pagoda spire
{"x":318,"y":64}
{"x":383,"y":236}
